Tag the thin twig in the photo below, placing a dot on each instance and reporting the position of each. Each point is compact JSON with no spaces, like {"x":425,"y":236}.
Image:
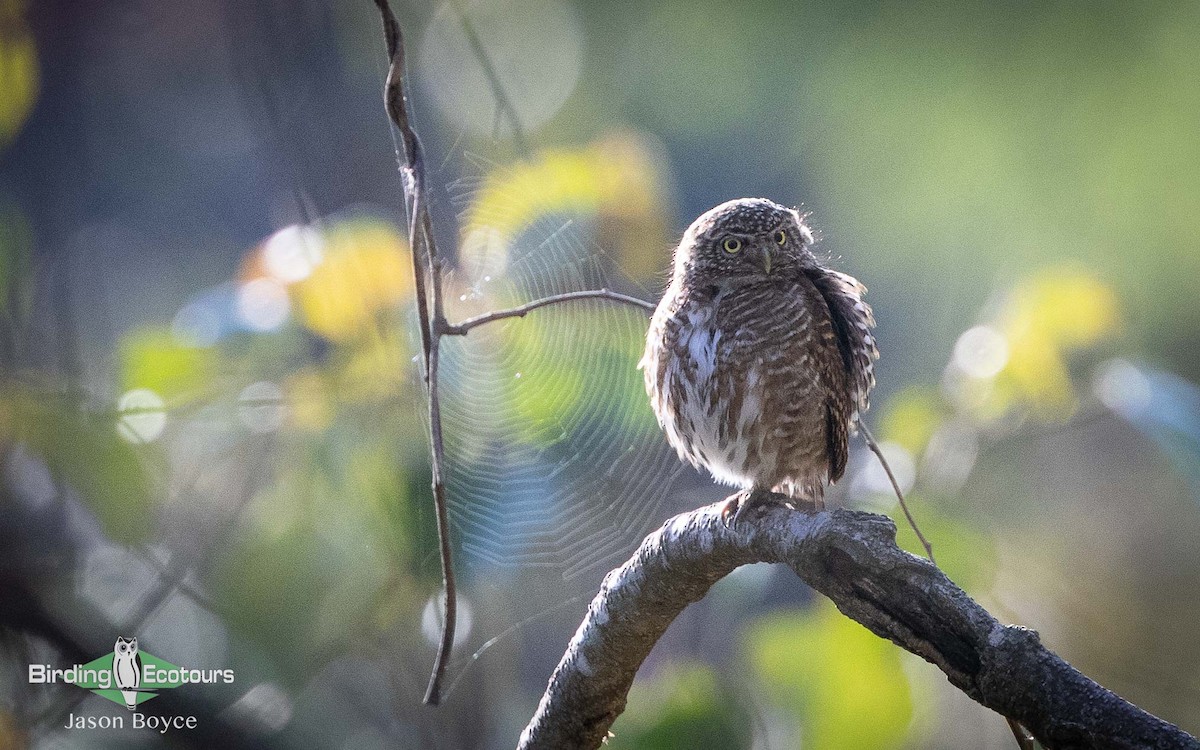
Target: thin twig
{"x":396,"y":103}
{"x":463,"y":328}
{"x":503,"y":103}
{"x":420,"y":234}
{"x":1024,"y":741}
{"x":862,"y":426}
{"x":504,"y":634}
{"x":431,"y":314}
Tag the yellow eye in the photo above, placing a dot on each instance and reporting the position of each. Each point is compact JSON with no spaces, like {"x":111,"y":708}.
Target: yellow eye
{"x":781,"y":237}
{"x":732,"y":245}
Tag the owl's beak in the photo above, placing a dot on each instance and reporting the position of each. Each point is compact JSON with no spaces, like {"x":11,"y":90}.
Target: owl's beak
{"x":763,"y":255}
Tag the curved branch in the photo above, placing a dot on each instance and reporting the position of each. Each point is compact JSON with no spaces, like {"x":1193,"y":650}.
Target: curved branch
{"x":851,"y":557}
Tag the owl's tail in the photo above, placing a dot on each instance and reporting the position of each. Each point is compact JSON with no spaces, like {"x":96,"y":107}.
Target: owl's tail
{"x":130,"y":698}
{"x":805,"y":494}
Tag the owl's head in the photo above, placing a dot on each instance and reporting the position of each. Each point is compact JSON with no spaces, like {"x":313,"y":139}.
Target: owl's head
{"x":125,"y":646}
{"x":745,"y":239}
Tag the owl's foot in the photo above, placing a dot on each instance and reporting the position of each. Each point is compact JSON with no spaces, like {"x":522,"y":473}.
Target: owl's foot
{"x":741,"y":505}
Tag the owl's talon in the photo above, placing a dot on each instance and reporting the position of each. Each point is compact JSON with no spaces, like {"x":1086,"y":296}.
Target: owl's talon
{"x":730,"y":510}
{"x":739,"y":506}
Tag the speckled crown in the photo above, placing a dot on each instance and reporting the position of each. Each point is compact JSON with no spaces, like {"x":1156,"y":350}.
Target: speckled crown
{"x":747,"y":216}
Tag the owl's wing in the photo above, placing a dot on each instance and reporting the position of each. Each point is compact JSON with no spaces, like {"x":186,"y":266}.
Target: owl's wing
{"x":838,"y":441}
{"x":852,"y":322}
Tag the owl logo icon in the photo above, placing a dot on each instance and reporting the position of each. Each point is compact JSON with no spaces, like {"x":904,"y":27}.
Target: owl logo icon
{"x":127,"y":669}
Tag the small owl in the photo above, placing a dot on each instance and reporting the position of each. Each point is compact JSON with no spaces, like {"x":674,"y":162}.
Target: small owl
{"x":127,"y":669}
{"x":758,"y":358}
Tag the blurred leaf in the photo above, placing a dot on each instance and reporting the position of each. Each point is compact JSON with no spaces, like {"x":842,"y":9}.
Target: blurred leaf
{"x":18,"y":69}
{"x":614,"y":180}
{"x":366,"y":270}
{"x":271,"y":585}
{"x":313,"y":553}
{"x":564,"y":385}
{"x":1023,"y":352}
{"x":846,"y":683}
{"x":911,"y":417}
{"x":967,"y":554}
{"x":1048,"y":315}
{"x":378,"y":499}
{"x":154,"y":358}
{"x":682,"y":707}
{"x":375,"y":368}
{"x":86,"y":453}
{"x":309,"y":400}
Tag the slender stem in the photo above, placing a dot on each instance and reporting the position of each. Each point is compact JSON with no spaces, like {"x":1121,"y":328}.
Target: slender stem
{"x":463,"y":328}
{"x":1020,"y":734}
{"x":433,"y":694}
{"x":862,"y":426}
{"x":427,"y":272}
{"x":420,"y":234}
{"x":503,"y":103}
{"x":396,"y":103}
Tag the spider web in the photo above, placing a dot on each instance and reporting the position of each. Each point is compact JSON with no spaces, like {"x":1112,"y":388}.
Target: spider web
{"x":554,"y":460}
{"x":555,"y":467}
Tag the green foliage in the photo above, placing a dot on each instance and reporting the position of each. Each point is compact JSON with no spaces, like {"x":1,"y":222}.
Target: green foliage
{"x":846,"y":684}
{"x":86,"y":453}
{"x":297,"y":594}
{"x":155,"y":359}
{"x":959,"y":141}
{"x":314,"y":553}
{"x":19,"y":75}
{"x":682,"y":707}
{"x":911,"y":417}
{"x":563,"y":386}
{"x":964,"y":551}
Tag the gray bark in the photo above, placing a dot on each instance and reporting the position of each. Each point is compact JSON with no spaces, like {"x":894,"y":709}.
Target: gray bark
{"x":852,"y":558}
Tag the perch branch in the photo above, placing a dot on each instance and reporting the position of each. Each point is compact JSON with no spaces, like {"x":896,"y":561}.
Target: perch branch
{"x":852,"y":558}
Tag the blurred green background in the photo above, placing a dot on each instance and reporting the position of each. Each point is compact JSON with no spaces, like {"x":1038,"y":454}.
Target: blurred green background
{"x":212,"y":427}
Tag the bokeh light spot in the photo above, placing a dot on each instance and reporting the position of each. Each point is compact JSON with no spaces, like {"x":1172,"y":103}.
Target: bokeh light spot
{"x":535,"y":50}
{"x":143,"y":415}
{"x":261,"y":407}
{"x":1123,"y":388}
{"x":262,"y":304}
{"x":290,"y":254}
{"x":432,"y":617}
{"x":873,"y":481}
{"x":265,"y":708}
{"x":197,"y":324}
{"x":981,"y":352}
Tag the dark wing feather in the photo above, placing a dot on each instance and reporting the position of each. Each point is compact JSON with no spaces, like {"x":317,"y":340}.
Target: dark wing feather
{"x":837,"y":440}
{"x":853,"y":322}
